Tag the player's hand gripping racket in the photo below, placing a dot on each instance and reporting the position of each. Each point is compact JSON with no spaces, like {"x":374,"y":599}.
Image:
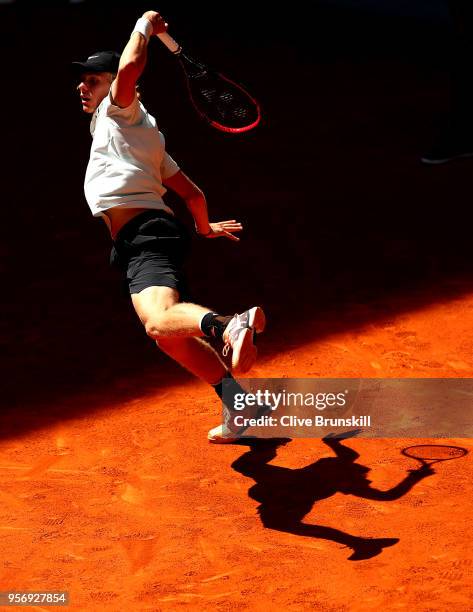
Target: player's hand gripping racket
{"x":225,"y":105}
{"x":428,"y":454}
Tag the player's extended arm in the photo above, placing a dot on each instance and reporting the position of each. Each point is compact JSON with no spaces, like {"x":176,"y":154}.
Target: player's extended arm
{"x":197,"y":205}
{"x":399,"y":490}
{"x":193,"y":197}
{"x":133,"y":61}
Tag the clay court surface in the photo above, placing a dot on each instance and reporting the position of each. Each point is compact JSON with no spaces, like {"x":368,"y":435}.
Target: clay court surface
{"x":129,"y":508}
{"x":362,"y":260}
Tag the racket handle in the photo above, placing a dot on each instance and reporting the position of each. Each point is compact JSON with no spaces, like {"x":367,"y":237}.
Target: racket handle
{"x":170,"y":43}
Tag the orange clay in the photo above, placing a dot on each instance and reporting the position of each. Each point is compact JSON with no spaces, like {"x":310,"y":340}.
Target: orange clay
{"x":127,"y":506}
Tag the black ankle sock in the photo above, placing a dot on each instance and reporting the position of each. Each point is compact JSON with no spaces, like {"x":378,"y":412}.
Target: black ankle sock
{"x":213,"y":324}
{"x":230,"y":388}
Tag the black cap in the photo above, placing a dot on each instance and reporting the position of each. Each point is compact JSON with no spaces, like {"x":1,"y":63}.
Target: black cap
{"x":101,"y":61}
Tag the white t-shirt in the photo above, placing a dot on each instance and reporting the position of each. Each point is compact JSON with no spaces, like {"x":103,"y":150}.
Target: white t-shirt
{"x":128,"y":161}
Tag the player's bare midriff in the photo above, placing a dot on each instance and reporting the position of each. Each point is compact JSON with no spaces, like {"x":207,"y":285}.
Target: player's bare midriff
{"x":116,"y":218}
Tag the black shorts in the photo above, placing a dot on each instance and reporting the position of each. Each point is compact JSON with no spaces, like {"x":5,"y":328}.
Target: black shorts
{"x":150,"y":250}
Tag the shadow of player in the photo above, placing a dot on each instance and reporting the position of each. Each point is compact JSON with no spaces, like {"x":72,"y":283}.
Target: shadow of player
{"x":286,"y":495}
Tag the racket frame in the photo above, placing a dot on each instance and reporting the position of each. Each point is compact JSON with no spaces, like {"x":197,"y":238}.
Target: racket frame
{"x":431,"y":461}
{"x":176,"y":49}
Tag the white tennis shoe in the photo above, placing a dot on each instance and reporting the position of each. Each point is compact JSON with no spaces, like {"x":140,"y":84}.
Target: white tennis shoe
{"x":222,"y":434}
{"x":239,"y":336}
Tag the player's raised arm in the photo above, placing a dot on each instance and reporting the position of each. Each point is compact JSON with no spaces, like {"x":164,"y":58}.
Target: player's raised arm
{"x":133,"y":58}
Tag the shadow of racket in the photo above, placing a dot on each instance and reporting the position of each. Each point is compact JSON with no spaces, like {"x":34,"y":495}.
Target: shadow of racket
{"x":429,"y":454}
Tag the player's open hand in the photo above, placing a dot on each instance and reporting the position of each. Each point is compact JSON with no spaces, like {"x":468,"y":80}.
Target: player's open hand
{"x":158,"y":23}
{"x":225,"y":229}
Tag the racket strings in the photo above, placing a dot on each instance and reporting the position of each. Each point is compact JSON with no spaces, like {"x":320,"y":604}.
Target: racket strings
{"x":220,"y":101}
{"x":224,"y":104}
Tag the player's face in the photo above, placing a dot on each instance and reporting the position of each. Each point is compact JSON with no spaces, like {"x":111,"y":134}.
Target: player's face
{"x":93,"y":88}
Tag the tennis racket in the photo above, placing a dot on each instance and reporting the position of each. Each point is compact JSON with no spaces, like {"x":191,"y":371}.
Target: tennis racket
{"x":225,"y":105}
{"x":428,"y":454}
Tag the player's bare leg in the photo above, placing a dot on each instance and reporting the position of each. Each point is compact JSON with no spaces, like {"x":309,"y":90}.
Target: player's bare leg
{"x":176,"y":328}
{"x":201,"y":360}
{"x":163,"y":317}
{"x":196,"y":356}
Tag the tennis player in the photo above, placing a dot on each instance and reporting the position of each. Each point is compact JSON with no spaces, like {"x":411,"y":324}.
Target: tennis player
{"x":129,"y":171}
